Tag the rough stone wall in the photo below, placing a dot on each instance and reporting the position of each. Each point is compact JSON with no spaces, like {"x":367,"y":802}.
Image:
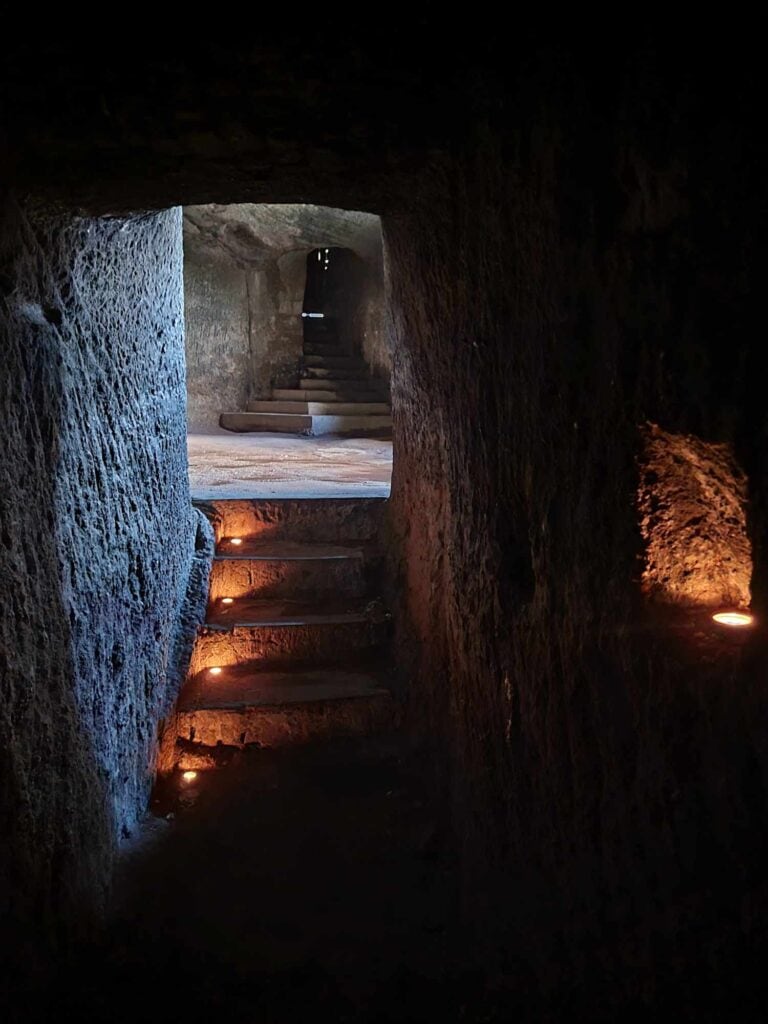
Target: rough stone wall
{"x":97,"y":549}
{"x":275,"y":294}
{"x":217,"y":319}
{"x":693,"y":520}
{"x":551,"y":290}
{"x":575,"y":232}
{"x":369,"y":325}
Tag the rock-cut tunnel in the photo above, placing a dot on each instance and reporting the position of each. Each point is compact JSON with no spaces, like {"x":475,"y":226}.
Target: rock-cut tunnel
{"x":472,"y":749}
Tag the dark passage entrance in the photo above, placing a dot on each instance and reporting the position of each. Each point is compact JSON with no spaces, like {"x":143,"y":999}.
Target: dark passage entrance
{"x":333,"y":295}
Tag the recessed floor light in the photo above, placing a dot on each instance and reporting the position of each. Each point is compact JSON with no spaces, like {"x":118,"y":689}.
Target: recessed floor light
{"x":733,"y":618}
{"x":216,"y":671}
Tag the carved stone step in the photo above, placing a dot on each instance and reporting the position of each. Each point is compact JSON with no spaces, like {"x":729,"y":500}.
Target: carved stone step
{"x":273,"y":709}
{"x":315,"y":426}
{"x":274,"y":569}
{"x":284,"y":633}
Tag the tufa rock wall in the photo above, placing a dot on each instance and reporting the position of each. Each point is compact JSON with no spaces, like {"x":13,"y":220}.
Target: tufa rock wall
{"x":217,"y":317}
{"x":691,"y":502}
{"x":601,"y":767}
{"x":102,"y":577}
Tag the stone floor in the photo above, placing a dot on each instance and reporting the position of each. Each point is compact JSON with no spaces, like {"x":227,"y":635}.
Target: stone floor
{"x":226,"y":465}
{"x":309,"y":884}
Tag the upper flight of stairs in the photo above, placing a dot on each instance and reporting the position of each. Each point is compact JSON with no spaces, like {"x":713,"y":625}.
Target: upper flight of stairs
{"x":335,"y":395}
{"x":294,"y":641}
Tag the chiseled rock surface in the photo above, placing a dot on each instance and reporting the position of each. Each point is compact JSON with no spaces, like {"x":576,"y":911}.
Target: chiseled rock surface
{"x":692,"y":506}
{"x":101,"y":574}
{"x":256,"y":234}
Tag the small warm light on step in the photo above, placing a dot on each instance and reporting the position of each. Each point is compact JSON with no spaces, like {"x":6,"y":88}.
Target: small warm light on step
{"x":227,"y":600}
{"x":733,"y":618}
{"x":189,"y":776}
{"x":236,"y":540}
{"x":215,"y":671}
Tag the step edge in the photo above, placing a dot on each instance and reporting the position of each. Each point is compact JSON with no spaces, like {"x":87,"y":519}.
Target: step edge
{"x":242,"y":706}
{"x":340,"y":620}
{"x":354,"y":556}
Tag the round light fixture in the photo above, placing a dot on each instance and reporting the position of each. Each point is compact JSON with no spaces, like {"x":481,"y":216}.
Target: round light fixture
{"x":216,"y":671}
{"x":733,"y":618}
{"x":189,"y":776}
{"x":236,"y":541}
{"x":227,"y":600}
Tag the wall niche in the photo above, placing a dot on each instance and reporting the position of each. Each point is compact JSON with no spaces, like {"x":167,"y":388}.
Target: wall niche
{"x":692,"y":499}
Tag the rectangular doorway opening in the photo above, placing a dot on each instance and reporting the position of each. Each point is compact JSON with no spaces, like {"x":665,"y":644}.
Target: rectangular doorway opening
{"x":288,"y":359}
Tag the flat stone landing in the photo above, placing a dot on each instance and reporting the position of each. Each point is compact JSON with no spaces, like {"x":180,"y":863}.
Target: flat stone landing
{"x":227,"y":465}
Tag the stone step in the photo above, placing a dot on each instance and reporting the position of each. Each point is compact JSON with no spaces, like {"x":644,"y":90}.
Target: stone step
{"x":270,"y":709}
{"x":320,"y":327}
{"x":274,"y":569}
{"x":258,"y":612}
{"x":345,"y":373}
{"x":324,"y":348}
{"x":370,"y":385}
{"x":309,"y":408}
{"x":327,"y":394}
{"x":340,"y":362}
{"x":285,"y":633}
{"x":336,"y":521}
{"x":314,"y":426}
{"x":280,"y":423}
{"x":371,"y":425}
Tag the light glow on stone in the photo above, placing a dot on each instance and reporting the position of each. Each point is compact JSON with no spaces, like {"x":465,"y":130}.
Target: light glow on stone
{"x":733,"y":618}
{"x":227,"y":600}
{"x":236,"y":540}
{"x":189,"y":776}
{"x":216,"y":671}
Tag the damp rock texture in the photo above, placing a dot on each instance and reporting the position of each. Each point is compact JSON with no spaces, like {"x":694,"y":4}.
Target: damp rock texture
{"x":546,"y":305}
{"x":245,"y":269}
{"x":97,"y":550}
{"x":691,"y":502}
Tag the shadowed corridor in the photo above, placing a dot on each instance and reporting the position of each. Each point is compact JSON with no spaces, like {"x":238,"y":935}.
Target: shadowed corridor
{"x":302,"y":881}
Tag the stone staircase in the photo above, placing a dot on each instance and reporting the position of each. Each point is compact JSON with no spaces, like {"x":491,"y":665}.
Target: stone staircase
{"x":336,"y":394}
{"x":294,"y":641}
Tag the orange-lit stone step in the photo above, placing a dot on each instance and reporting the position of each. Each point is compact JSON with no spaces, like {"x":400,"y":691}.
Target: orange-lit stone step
{"x":256,"y":611}
{"x":287,"y":632}
{"x":275,"y":569}
{"x":248,"y":706}
{"x":343,"y":521}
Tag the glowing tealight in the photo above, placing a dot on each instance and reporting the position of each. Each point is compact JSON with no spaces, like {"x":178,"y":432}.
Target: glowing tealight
{"x":236,"y":540}
{"x":189,"y":776}
{"x":215,"y":671}
{"x":227,"y":600}
{"x":733,"y":618}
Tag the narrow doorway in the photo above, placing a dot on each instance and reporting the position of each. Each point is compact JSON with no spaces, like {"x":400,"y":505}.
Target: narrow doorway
{"x":288,"y":360}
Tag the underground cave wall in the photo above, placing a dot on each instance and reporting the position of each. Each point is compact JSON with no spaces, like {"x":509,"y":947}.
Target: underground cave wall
{"x":103,"y":558}
{"x":553,"y":290}
{"x":581,"y":266}
{"x":243,"y":328}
